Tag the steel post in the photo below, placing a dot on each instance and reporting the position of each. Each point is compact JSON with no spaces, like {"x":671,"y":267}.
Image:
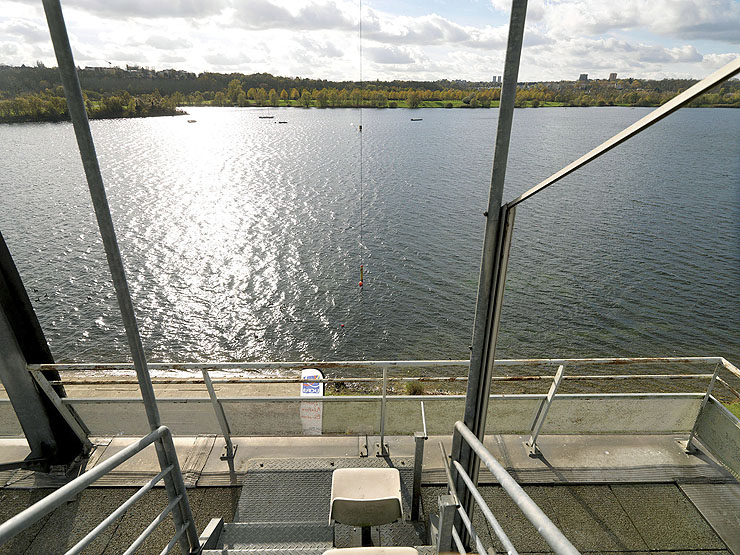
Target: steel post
{"x":479,"y":382}
{"x":382,"y":450}
{"x":218,"y":408}
{"x":78,"y":115}
{"x":544,"y":408}
{"x":419,"y":440}
{"x":488,"y":304}
{"x":447,"y":510}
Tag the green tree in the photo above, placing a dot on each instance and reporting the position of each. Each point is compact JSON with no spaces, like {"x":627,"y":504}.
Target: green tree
{"x":306,"y":98}
{"x":322,"y":98}
{"x":233,"y":90}
{"x":260,"y":96}
{"x":274,"y":99}
{"x":412,"y":99}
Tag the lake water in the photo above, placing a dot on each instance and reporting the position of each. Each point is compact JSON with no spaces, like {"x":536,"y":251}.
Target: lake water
{"x":241,"y":236}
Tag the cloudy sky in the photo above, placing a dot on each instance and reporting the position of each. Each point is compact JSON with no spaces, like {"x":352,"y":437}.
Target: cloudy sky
{"x":409,"y":39}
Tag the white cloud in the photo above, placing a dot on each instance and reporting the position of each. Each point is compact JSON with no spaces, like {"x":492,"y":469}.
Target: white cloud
{"x":168,"y":43}
{"x":388,"y":55}
{"x":264,"y":14}
{"x":680,"y":19}
{"x":319,"y":38}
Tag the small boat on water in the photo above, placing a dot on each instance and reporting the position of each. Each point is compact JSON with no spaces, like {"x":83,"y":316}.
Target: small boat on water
{"x":282,"y":122}
{"x":267,"y":116}
{"x":417,"y":119}
{"x":192,"y":120}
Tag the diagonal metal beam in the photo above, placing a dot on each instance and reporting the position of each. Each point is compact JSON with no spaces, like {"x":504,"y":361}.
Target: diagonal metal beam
{"x":728,"y":71}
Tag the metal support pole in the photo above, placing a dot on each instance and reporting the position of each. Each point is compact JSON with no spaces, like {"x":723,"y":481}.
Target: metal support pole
{"x":489,"y":302}
{"x":479,"y":383}
{"x":447,"y":511}
{"x":419,"y":440}
{"x":381,"y":450}
{"x":218,"y":408}
{"x":541,"y":415}
{"x":689,"y":444}
{"x":78,"y":115}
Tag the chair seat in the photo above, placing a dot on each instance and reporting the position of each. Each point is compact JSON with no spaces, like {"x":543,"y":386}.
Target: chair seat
{"x":365,"y":496}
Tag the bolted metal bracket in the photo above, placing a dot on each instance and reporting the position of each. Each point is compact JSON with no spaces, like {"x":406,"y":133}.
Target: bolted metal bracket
{"x":382,"y":452}
{"x":225,"y":455}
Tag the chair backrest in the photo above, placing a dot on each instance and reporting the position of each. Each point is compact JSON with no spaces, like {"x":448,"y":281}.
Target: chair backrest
{"x":365,"y":496}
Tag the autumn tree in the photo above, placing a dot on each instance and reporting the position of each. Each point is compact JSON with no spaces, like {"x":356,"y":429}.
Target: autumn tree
{"x":306,"y":98}
{"x":274,"y":98}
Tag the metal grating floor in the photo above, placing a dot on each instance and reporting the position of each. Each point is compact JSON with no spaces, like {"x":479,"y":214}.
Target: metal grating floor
{"x":285,"y":506}
{"x":299,"y":490}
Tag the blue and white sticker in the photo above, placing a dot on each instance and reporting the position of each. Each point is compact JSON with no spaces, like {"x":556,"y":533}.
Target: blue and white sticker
{"x":313,"y":388}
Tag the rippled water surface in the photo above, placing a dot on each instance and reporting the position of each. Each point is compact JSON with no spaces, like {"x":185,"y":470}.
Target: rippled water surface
{"x":241,"y":235}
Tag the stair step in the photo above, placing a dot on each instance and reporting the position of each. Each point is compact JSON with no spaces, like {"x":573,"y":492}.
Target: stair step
{"x":242,"y":551}
{"x":282,"y":536}
{"x":422,"y":549}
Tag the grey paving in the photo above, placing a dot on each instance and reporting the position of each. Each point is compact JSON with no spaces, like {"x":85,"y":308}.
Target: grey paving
{"x":665,"y":518}
{"x":719,"y":504}
{"x":614,"y":519}
{"x":60,"y":530}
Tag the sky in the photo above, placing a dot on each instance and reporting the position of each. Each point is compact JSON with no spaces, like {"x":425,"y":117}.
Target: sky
{"x":401,"y":39}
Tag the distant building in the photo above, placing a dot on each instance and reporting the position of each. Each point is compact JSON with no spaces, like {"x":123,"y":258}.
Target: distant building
{"x":583,"y":77}
{"x":496,"y":79}
{"x":612,"y":77}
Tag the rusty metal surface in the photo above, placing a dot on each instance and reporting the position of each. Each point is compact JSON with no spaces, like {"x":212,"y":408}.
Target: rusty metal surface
{"x":297,"y":365}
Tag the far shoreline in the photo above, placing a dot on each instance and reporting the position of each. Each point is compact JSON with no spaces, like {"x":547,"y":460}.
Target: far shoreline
{"x":181,"y":111}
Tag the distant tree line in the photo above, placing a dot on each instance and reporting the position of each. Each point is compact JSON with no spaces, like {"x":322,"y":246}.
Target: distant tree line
{"x":50,"y":105}
{"x":35,"y":94}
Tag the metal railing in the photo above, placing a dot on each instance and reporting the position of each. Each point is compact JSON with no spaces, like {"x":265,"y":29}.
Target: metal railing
{"x":222,"y":419}
{"x":38,"y":510}
{"x":447,"y":533}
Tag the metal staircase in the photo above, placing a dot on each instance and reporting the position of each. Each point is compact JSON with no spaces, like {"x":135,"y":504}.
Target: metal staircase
{"x":284,"y":508}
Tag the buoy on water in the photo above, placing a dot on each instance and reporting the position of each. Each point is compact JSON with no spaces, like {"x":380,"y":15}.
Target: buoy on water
{"x":362,"y":275}
{"x":360,"y":284}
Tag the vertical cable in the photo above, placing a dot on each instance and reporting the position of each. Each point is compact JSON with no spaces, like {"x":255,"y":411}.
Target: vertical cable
{"x":362,"y":248}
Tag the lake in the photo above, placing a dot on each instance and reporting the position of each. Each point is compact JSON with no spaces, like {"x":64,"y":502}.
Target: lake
{"x":241,"y":236}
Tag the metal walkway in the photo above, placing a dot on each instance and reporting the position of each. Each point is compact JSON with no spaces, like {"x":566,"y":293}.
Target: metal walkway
{"x":284,"y":507}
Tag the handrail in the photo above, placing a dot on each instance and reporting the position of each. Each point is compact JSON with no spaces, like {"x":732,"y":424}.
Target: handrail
{"x":461,"y":511}
{"x":549,"y":532}
{"x":80,"y":545}
{"x":487,"y":513}
{"x":41,"y":508}
{"x":352,"y":379}
{"x":323,"y":364}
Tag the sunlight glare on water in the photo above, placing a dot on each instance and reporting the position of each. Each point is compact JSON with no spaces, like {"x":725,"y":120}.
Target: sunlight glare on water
{"x":241,"y":235}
